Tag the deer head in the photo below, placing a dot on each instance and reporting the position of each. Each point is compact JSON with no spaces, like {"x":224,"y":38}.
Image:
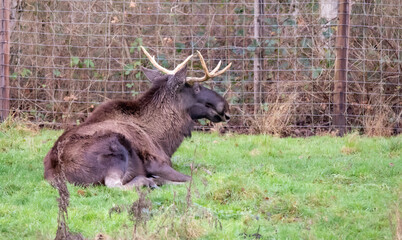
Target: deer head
{"x":199,"y":101}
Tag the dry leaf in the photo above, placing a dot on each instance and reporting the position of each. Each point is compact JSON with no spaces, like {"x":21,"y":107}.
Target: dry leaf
{"x":81,"y":192}
{"x":115,"y":19}
{"x":70,"y":98}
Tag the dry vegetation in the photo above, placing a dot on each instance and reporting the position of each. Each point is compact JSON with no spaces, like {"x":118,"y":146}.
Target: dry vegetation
{"x":67,"y":56}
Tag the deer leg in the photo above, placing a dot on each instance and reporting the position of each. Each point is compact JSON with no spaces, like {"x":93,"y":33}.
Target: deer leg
{"x":140,"y":181}
{"x":132,"y":175}
{"x":113,"y":179}
{"x":165,"y":172}
{"x":161,"y":181}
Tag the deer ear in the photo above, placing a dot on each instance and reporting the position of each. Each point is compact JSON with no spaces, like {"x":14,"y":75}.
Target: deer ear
{"x":152,"y":75}
{"x":178,"y":80}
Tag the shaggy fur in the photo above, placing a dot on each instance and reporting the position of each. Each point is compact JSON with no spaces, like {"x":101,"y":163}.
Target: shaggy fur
{"x":127,"y":143}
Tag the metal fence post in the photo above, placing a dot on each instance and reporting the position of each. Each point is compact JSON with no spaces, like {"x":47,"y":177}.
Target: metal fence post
{"x":341,"y":66}
{"x":258,"y":54}
{"x":4,"y":60}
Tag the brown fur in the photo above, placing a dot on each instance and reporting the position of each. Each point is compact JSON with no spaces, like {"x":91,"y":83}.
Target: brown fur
{"x":123,"y":140}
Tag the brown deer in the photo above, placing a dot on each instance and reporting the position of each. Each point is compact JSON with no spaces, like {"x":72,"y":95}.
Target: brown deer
{"x":130,"y":143}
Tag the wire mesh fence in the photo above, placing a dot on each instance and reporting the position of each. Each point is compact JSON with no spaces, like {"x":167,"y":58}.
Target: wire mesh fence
{"x":66,"y":57}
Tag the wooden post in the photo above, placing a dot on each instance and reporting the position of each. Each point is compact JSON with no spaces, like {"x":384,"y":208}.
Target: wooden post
{"x":258,"y":54}
{"x":4,"y":60}
{"x":341,"y":66}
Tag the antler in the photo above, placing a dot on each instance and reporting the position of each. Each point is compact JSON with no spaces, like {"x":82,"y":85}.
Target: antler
{"x":208,"y":75}
{"x":162,"y":69}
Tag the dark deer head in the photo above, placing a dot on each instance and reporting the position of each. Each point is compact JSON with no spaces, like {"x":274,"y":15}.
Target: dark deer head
{"x":207,"y":104}
{"x":199,"y":101}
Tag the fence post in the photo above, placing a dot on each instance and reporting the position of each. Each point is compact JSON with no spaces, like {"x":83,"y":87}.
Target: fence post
{"x":341,"y":66}
{"x":4,"y":60}
{"x":258,"y":54}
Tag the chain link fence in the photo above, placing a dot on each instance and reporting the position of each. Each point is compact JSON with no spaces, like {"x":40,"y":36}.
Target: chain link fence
{"x":66,"y":57}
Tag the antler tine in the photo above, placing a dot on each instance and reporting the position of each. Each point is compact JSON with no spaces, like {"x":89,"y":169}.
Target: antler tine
{"x":208,"y":75}
{"x":203,"y":64}
{"x":162,"y":69}
{"x":216,"y":68}
{"x":181,"y":65}
{"x":154,"y":63}
{"x":223,"y":70}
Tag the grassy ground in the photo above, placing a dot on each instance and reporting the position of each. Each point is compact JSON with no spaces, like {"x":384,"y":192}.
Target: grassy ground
{"x":245,"y":187}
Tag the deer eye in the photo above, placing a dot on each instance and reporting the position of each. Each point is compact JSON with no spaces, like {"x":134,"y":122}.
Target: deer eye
{"x":209,"y":105}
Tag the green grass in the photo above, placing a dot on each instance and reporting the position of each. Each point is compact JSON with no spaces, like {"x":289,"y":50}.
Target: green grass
{"x":244,"y":187}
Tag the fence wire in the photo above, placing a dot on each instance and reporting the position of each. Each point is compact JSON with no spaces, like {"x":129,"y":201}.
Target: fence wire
{"x":66,"y":57}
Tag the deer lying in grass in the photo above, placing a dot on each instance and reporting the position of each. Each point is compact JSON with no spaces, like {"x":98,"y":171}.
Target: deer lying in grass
{"x":130,"y":143}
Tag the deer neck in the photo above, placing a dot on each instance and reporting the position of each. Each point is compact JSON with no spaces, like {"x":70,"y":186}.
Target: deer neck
{"x":168,"y":126}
